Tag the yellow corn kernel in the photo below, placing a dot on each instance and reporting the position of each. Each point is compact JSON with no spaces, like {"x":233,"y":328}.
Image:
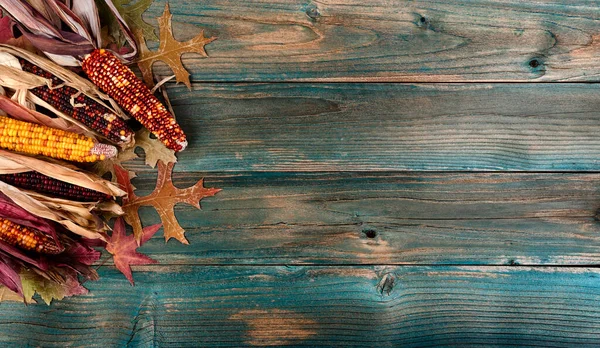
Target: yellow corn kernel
{"x":37,"y":139}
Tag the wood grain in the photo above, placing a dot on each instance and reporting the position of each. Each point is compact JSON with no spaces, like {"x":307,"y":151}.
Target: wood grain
{"x":385,"y":218}
{"x":390,"y":40}
{"x":375,"y":127}
{"x":319,"y":306}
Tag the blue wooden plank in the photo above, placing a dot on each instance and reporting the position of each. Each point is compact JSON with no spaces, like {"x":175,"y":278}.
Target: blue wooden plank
{"x":385,"y":218}
{"x":376,"y":127}
{"x":316,"y":306}
{"x":390,"y":40}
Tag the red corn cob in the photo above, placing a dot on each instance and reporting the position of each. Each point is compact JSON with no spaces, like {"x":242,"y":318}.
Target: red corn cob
{"x":93,"y":115}
{"x":41,"y":183}
{"x":27,"y":238}
{"x":119,"y":82}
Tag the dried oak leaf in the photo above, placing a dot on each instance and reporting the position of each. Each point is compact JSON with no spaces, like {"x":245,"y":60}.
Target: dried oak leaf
{"x":163,"y":199}
{"x":154,"y":149}
{"x":123,"y":248}
{"x":169,"y":50}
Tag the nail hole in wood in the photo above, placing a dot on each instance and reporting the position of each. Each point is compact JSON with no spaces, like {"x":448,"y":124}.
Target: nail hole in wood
{"x":423,"y":22}
{"x":370,"y":233}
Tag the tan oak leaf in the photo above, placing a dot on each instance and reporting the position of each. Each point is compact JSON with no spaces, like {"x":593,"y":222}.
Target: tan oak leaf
{"x":164,"y":198}
{"x":154,"y":149}
{"x":169,"y":50}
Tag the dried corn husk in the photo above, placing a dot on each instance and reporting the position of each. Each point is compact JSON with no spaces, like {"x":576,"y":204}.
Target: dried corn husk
{"x":12,"y":163}
{"x":87,"y":226}
{"x":39,"y":21}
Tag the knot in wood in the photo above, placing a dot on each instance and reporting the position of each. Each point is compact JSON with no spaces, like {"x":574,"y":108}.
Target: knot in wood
{"x":313,"y":12}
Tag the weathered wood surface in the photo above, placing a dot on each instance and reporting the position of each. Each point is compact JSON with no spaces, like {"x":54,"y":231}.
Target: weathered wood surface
{"x":372,"y":127}
{"x":397,"y":40}
{"x":351,"y":215}
{"x":320,"y":306}
{"x":386,"y":218}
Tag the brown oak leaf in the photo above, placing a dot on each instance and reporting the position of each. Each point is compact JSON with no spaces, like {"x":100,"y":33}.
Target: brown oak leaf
{"x":123,"y":248}
{"x":163,"y":199}
{"x":169,"y":50}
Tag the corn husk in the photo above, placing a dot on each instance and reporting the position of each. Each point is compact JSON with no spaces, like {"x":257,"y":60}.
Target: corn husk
{"x":20,"y":82}
{"x":80,"y":218}
{"x":12,"y":163}
{"x":65,"y":31}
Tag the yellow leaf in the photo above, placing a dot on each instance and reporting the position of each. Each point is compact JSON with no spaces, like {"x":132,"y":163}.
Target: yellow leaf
{"x":169,"y":50}
{"x":49,"y":289}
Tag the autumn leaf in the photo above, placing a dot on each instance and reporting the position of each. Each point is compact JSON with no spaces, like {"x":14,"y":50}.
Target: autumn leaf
{"x":169,"y":50}
{"x":163,"y":199}
{"x":123,"y":248}
{"x":49,"y":289}
{"x":154,"y":149}
{"x":132,"y":13}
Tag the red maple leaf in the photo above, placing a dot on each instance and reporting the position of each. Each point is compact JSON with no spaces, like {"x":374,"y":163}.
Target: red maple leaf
{"x":123,"y":248}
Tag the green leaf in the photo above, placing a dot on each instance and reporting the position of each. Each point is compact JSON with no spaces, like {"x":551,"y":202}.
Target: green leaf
{"x":132,"y":13}
{"x":49,"y":289}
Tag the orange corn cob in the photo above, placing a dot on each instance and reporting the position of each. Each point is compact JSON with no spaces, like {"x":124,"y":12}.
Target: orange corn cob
{"x":27,"y":238}
{"x":41,"y":183}
{"x":35,"y":139}
{"x":92,"y":114}
{"x":108,"y":73}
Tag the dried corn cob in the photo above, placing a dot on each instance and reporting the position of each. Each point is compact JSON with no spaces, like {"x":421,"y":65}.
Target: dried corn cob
{"x":41,"y":183}
{"x":27,"y":238}
{"x":92,"y":114}
{"x":106,"y":71}
{"x":36,"y":139}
